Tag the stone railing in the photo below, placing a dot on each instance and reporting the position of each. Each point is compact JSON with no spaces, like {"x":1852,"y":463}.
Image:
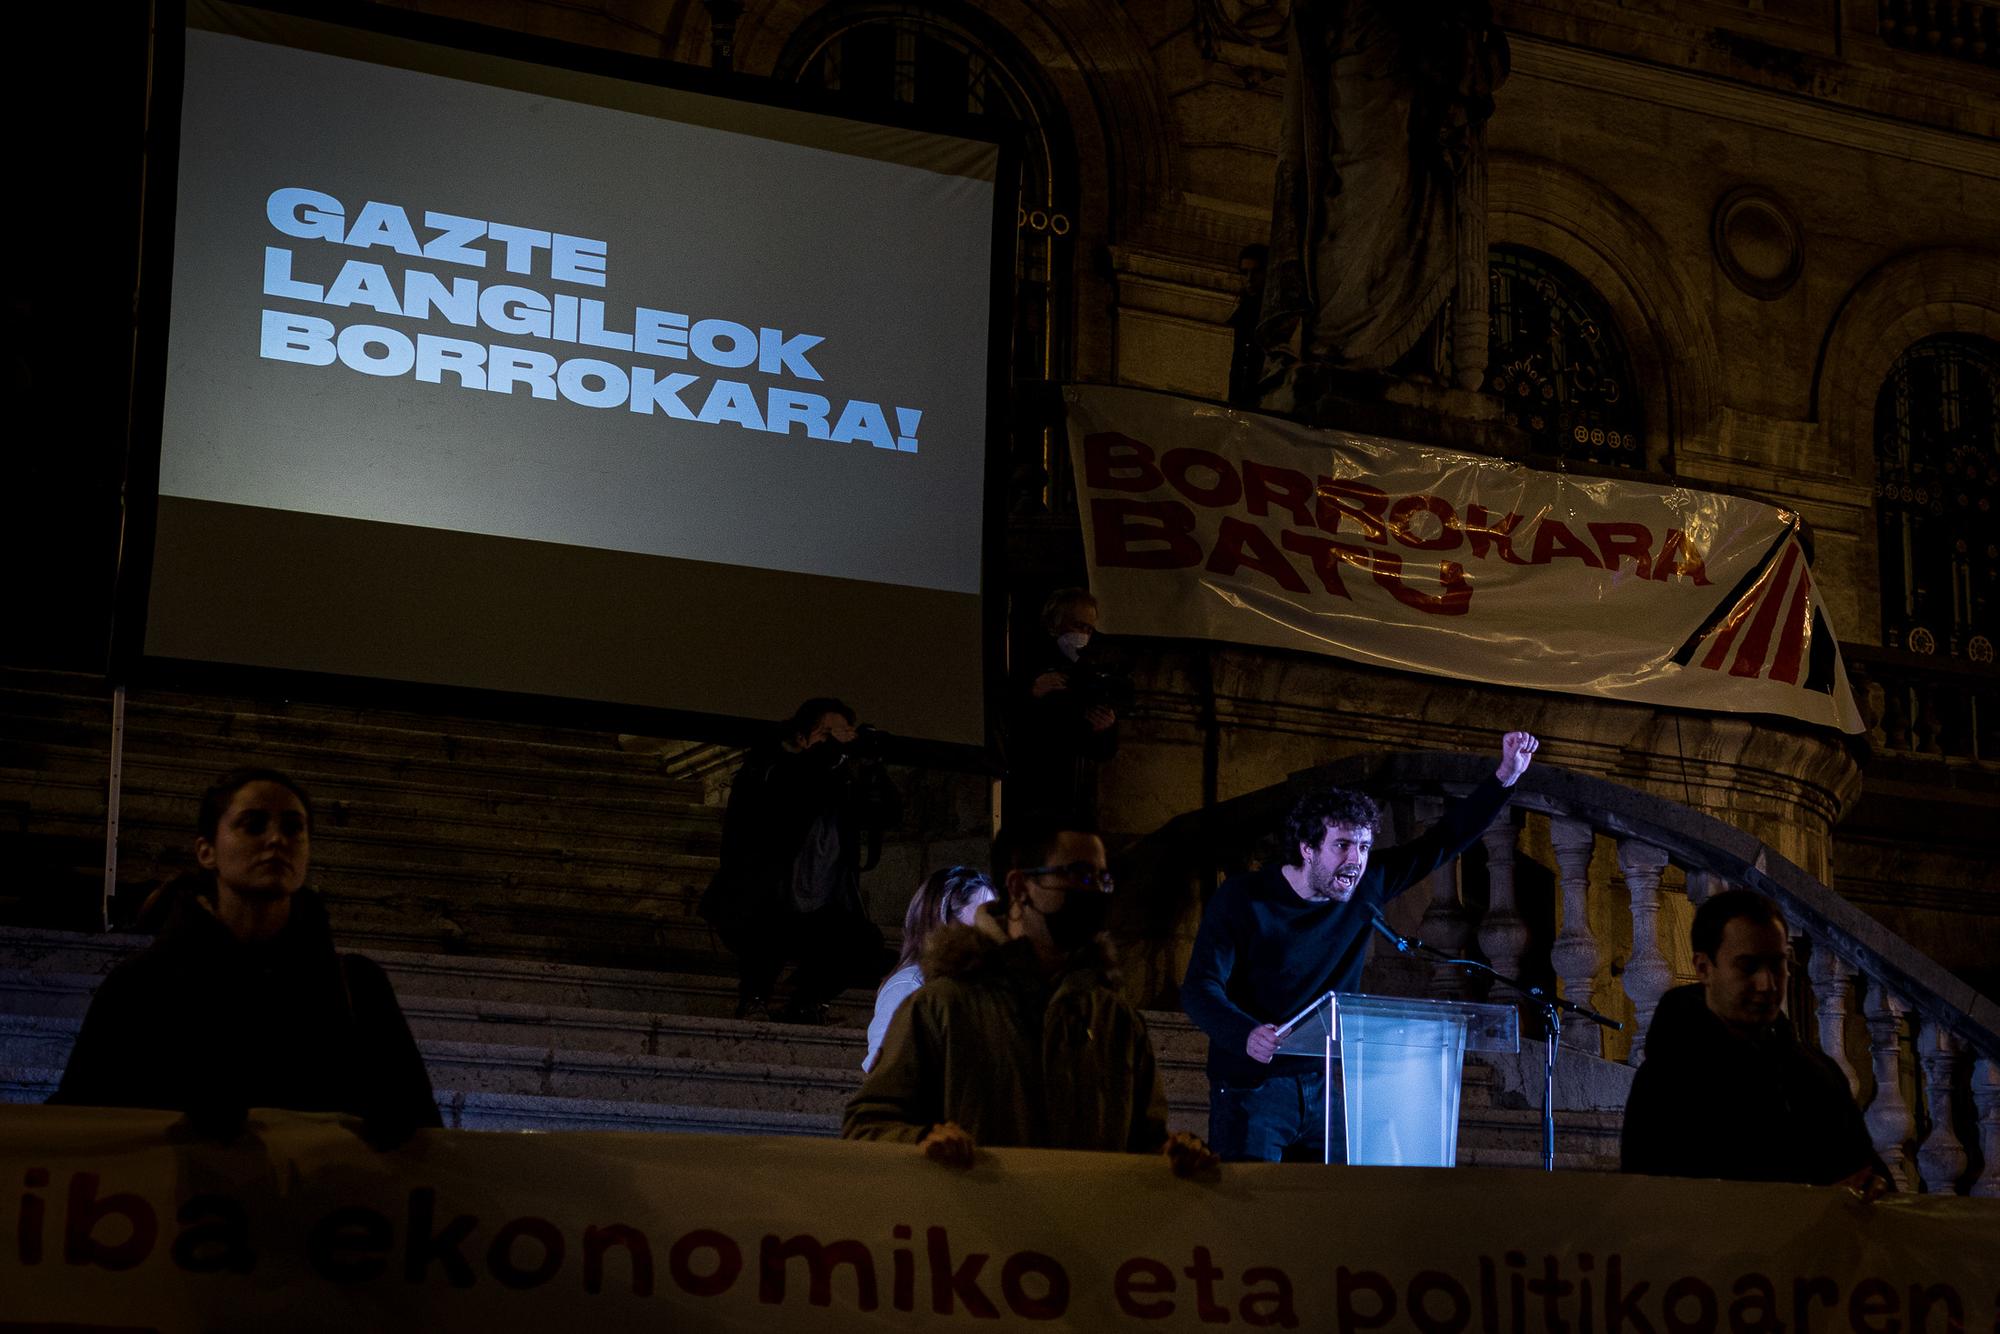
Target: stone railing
{"x":1935,"y":708}
{"x":1964,"y":29}
{"x":1593,"y":885}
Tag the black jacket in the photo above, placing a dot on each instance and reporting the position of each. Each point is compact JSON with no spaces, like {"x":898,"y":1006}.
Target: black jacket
{"x":1711,"y":1103}
{"x":202,"y":1023}
{"x":1052,"y":750}
{"x":778,"y":799}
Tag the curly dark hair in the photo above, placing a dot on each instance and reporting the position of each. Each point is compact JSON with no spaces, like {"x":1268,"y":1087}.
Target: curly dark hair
{"x":1317,"y":812}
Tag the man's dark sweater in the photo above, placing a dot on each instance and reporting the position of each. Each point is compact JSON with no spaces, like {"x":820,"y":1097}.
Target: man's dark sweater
{"x":1710,"y":1102}
{"x":1263,"y":951}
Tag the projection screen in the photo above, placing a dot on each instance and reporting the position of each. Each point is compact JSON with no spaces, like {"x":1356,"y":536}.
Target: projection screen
{"x":490,"y":373}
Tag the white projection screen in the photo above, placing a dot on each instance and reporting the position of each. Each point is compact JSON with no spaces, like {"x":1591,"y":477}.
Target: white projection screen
{"x":528,"y":378}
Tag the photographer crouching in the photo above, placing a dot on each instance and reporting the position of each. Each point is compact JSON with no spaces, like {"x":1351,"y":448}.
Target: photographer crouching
{"x":805,"y":817}
{"x":1066,"y":698}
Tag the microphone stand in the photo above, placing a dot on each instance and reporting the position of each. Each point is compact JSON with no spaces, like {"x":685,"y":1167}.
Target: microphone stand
{"x":1553,"y":1008}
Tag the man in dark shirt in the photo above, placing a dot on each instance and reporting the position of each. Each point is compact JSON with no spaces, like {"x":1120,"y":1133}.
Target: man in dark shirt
{"x":1275,"y":938}
{"x":1727,"y":1089}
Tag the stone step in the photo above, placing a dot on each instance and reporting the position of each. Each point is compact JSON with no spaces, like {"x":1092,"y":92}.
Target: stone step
{"x":183,"y":762}
{"x":526,"y":1044}
{"x":163,"y":798}
{"x":586,"y":934}
{"x":531,"y":1112}
{"x":534,"y":1064}
{"x":83,"y":703}
{"x":62,"y":967}
{"x":723,"y":1068}
{"x":1488,"y":1136}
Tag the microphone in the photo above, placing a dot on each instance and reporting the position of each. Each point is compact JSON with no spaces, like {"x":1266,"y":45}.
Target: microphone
{"x":1388,"y":934}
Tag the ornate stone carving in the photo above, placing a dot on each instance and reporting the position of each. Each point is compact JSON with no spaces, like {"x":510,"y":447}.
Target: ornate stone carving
{"x":1647,"y":975}
{"x":1889,"y":1122}
{"x":1759,"y":245}
{"x":1986,"y":1098}
{"x":1379,"y":209}
{"x":1447,"y":924}
{"x":1503,"y":936}
{"x":1576,"y":955}
{"x":1701,"y":884}
{"x":1833,"y":989}
{"x":1941,"y":1159}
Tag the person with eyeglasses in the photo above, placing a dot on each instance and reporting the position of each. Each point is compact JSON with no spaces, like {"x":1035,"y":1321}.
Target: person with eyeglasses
{"x":1019,"y":1037}
{"x":1273,"y":939}
{"x":950,"y":895}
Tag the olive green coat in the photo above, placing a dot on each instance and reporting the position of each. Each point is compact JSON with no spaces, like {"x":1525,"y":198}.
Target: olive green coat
{"x":1013,"y":1055}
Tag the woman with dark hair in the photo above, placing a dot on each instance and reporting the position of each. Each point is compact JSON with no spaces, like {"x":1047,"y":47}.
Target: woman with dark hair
{"x":953,"y":894}
{"x":241,"y":1001}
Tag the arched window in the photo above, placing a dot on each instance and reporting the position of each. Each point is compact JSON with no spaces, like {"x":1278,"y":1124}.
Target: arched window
{"x":1937,"y":485}
{"x":951,"y":58}
{"x":1557,"y":362}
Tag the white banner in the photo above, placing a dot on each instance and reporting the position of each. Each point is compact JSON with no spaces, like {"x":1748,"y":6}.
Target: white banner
{"x":123,"y":1221}
{"x":1203,"y":522}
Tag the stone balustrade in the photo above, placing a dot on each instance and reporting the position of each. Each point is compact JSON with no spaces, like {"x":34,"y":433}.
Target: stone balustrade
{"x":1626,"y":869}
{"x":1929,"y":1044}
{"x":1963,"y":29}
{"x":1937,"y":708}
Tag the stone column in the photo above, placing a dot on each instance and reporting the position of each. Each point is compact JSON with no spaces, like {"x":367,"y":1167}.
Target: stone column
{"x":1469,"y":332}
{"x":1833,"y":988}
{"x":1647,"y":975}
{"x":1502,"y":935}
{"x":1888,"y":1116}
{"x":1941,"y":1159}
{"x":1702,"y":884}
{"x":1986,"y":1098}
{"x":1447,"y":925}
{"x":1575,"y":955}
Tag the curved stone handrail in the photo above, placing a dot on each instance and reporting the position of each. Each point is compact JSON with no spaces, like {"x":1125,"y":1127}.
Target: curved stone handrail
{"x":1930,"y":1062}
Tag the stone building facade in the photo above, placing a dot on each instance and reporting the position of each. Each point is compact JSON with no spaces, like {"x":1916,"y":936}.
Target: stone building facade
{"x":1777,"y":222}
{"x":1773,"y":224}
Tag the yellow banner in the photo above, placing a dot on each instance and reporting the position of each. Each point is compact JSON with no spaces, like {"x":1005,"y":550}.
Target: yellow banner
{"x":1203,"y":522}
{"x":121,"y":1221}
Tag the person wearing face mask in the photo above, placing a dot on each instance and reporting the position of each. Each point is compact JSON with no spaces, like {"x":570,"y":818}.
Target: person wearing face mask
{"x":1727,"y":1090}
{"x":1019,"y":1037}
{"x":1067,"y":696}
{"x":805,"y":818}
{"x":241,"y":1000}
{"x":1273,"y":939}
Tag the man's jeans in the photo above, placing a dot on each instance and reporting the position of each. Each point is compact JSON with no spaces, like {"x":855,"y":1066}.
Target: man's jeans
{"x":1279,"y":1120}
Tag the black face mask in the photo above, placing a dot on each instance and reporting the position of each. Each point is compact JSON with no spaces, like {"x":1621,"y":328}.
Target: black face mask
{"x":1080,"y":921}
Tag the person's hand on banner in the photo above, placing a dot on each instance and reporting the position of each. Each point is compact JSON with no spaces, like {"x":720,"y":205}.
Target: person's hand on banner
{"x":1262,"y":1043}
{"x":215,"y":1122}
{"x":1189,"y":1155}
{"x":1517,"y":752}
{"x":1867,"y":1183}
{"x":949,"y":1143}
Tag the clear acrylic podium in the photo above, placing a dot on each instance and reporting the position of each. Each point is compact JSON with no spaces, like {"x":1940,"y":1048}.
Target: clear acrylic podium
{"x":1401,"y":1061}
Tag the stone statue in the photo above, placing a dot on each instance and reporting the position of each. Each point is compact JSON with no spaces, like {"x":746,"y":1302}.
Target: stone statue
{"x":1379,"y":214}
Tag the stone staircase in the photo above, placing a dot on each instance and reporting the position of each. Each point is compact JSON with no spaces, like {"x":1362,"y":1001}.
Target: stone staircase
{"x":520,"y":1045}
{"x":530,"y":891}
{"x":431,"y":834}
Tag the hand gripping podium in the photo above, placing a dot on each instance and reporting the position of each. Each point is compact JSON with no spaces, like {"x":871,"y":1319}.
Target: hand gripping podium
{"x":1401,"y":1061}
